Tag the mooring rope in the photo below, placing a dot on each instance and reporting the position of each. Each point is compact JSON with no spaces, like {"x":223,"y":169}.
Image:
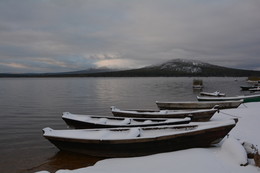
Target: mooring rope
{"x":230,"y":114}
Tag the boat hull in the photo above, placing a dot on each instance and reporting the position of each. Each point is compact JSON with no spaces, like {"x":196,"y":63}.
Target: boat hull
{"x":142,"y":147}
{"x":198,"y":105}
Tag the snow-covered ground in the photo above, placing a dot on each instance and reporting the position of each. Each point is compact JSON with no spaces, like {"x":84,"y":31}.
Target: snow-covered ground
{"x":226,"y":157}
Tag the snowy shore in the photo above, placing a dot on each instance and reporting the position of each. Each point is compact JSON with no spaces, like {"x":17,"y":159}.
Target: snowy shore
{"x":226,"y":157}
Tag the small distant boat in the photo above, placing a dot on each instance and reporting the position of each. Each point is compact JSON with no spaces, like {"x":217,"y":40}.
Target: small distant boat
{"x":255,"y":89}
{"x":94,"y":121}
{"x":246,"y":88}
{"x":213,"y":94}
{"x":198,"y":105}
{"x":246,"y":98}
{"x":253,"y":79}
{"x":195,"y":115}
{"x":139,"y":141}
{"x":197,"y":84}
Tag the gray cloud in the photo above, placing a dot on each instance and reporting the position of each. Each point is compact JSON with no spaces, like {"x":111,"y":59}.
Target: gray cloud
{"x":63,"y":35}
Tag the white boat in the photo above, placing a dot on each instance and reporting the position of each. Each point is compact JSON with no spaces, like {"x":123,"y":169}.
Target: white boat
{"x":139,"y":141}
{"x":255,"y":89}
{"x":213,"y":94}
{"x":246,"y":98}
{"x":95,"y":121}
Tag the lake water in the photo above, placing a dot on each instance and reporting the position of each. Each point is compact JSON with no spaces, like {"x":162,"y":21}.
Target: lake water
{"x":27,"y":105}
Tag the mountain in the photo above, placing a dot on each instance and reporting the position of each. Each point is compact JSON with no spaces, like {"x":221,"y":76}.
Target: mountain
{"x":183,"y":68}
{"x":175,"y":68}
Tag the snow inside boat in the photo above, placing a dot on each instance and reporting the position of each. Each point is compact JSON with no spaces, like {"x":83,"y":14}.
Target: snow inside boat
{"x":93,"y":121}
{"x":213,"y":94}
{"x":139,"y":141}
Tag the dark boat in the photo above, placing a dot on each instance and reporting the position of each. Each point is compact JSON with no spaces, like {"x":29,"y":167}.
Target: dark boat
{"x":195,"y":115}
{"x":139,"y":141}
{"x":198,"y":105}
{"x":255,"y":89}
{"x":246,"y":88}
{"x":94,"y":121}
{"x":197,"y":84}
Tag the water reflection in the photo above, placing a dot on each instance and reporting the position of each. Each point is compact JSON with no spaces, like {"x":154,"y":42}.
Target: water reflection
{"x":64,"y":160}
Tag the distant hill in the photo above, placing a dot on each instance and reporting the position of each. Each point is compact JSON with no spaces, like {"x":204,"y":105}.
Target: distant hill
{"x":182,"y":68}
{"x":60,"y":74}
{"x":174,"y":68}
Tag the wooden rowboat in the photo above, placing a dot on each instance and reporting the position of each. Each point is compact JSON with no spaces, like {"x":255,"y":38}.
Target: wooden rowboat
{"x":245,"y":88}
{"x":213,"y":94}
{"x":93,"y":121}
{"x":195,"y":115}
{"x":246,"y":98}
{"x":139,"y":141}
{"x":198,"y":105}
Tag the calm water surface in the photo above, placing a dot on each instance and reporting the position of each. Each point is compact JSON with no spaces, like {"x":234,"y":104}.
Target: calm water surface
{"x":27,"y":105}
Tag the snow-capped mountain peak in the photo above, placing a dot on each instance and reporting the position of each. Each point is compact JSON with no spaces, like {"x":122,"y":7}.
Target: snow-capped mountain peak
{"x":182,"y":65}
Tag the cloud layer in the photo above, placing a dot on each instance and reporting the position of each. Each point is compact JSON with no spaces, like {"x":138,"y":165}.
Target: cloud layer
{"x":64,"y":35}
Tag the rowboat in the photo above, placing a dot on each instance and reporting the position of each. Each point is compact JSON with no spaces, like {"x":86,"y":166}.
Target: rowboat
{"x":93,"y":121}
{"x":255,"y":89}
{"x":197,"y":84}
{"x":245,"y":88}
{"x":246,"y":98}
{"x":198,"y":105}
{"x":195,"y":115}
{"x":139,"y":141}
{"x":213,"y":94}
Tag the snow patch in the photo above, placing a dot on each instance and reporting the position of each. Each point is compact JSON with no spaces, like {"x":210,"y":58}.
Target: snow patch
{"x":126,"y":121}
{"x":134,"y":132}
{"x":102,"y":120}
{"x":234,"y":150}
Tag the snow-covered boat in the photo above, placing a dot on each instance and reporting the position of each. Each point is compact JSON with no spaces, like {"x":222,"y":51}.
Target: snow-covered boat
{"x":195,"y":115}
{"x":246,"y":98}
{"x":94,"y":121}
{"x":198,"y":105}
{"x":139,"y":141}
{"x":255,"y":89}
{"x":213,"y":94}
{"x":245,"y":88}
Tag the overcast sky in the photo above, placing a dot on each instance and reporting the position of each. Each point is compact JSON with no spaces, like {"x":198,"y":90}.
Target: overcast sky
{"x":69,"y":35}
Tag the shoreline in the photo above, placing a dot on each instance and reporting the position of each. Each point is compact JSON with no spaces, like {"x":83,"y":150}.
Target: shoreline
{"x":215,"y":157}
